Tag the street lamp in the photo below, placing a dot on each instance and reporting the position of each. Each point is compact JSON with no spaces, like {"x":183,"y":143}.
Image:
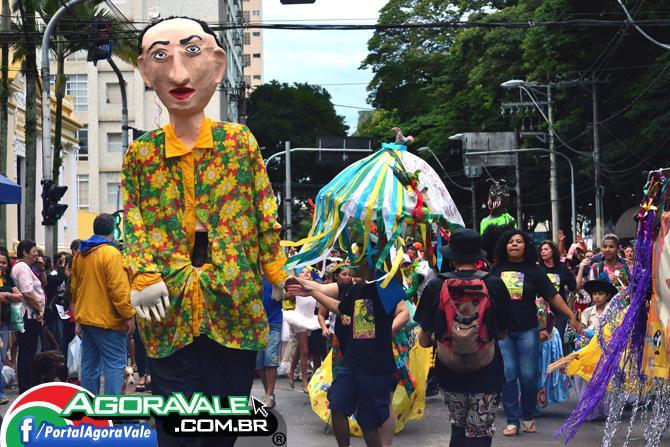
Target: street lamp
{"x":426,"y":149}
{"x":549,"y":118}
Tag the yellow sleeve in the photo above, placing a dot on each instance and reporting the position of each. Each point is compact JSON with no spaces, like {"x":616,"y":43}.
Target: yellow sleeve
{"x":272,"y":255}
{"x":118,"y":286}
{"x":137,"y":251}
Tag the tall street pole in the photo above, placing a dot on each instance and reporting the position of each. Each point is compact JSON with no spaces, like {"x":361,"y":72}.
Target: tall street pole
{"x":596,"y":166}
{"x":553,"y":183}
{"x":47,"y":158}
{"x":287,"y":196}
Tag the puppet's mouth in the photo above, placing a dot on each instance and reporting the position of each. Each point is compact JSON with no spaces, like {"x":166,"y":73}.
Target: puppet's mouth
{"x":182,"y":93}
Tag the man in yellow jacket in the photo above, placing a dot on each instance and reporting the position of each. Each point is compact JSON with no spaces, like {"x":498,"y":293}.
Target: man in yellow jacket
{"x":101,"y":298}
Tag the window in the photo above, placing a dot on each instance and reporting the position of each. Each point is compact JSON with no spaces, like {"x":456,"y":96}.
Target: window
{"x":114,"y":193}
{"x":257,"y":55}
{"x":245,"y":16}
{"x":82,"y":191}
{"x":82,"y":136}
{"x":77,"y":87}
{"x":257,"y":77}
{"x":247,"y":80}
{"x":113,"y":93}
{"x":246,"y":60}
{"x":114,"y":142}
{"x":257,"y":34}
{"x":247,"y":38}
{"x":256,"y":13}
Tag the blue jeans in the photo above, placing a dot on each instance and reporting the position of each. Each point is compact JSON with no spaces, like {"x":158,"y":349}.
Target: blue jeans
{"x":521,"y":351}
{"x":106,"y":351}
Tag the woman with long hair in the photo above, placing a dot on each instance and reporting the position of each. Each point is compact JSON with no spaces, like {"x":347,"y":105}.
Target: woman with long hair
{"x":516,"y":265}
{"x":560,"y":276}
{"x":31,"y":287}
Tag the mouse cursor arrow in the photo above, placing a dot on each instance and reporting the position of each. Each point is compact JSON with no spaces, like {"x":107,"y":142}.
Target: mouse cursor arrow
{"x":258,"y":406}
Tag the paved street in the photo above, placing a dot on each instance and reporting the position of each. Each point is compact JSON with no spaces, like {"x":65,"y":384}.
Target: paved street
{"x":305,"y":429}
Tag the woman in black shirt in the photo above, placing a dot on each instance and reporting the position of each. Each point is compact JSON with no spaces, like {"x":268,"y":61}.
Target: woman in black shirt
{"x":516,"y":265}
{"x":559,"y":275}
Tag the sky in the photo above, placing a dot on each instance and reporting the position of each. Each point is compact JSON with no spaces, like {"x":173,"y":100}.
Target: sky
{"x":322,"y":57}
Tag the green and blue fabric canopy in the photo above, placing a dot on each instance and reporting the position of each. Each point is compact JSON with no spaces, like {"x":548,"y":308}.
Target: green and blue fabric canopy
{"x":392,"y":189}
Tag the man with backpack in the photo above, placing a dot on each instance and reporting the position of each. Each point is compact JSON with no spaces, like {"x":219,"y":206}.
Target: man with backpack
{"x":463,"y":313}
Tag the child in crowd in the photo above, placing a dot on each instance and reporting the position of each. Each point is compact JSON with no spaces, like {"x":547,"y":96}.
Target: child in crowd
{"x":582,"y":367}
{"x":365,"y":381}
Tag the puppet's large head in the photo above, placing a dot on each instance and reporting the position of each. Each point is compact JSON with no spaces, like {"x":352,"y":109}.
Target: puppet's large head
{"x":183,"y":61}
{"x":498,"y":200}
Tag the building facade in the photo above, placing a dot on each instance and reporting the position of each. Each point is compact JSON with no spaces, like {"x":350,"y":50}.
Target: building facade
{"x":253,"y":45}
{"x":16,"y":164}
{"x":97,"y":98}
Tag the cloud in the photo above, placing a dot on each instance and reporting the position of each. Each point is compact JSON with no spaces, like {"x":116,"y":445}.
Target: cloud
{"x":322,"y":57}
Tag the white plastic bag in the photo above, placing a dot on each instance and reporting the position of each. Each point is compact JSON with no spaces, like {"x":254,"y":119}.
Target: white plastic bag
{"x":8,"y":375}
{"x":74,"y":356}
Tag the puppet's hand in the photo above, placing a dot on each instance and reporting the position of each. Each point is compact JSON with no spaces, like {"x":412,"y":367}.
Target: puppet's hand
{"x":153,"y":299}
{"x":278,"y":292}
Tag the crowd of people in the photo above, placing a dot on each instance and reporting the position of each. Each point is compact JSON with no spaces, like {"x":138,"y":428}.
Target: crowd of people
{"x":69,"y":319}
{"x":545,"y":303}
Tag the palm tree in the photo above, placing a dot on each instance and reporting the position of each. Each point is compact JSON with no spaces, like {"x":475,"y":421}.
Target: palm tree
{"x":72,"y":34}
{"x":25,"y":50}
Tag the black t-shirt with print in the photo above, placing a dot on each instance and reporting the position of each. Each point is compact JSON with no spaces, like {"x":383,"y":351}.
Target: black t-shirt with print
{"x":525,"y":282}
{"x":8,"y":286}
{"x":562,"y":278}
{"x":365,"y":332}
{"x":501,"y":317}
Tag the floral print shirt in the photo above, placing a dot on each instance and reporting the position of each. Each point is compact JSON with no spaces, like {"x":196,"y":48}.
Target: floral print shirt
{"x":222,"y":183}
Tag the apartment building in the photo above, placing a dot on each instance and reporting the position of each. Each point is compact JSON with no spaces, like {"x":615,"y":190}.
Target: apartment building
{"x":97,"y":98}
{"x":253,"y":45}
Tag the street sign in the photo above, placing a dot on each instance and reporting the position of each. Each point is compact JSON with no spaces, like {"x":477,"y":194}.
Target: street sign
{"x":485,"y":145}
{"x":344,"y":158}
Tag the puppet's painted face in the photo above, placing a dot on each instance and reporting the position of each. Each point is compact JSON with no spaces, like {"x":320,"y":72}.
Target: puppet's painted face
{"x":183,"y":64}
{"x":498,"y":199}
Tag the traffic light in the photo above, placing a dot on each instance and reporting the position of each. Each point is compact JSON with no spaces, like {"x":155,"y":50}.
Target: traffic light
{"x":100,"y":47}
{"x":118,"y":223}
{"x":51,"y":209}
{"x":296,"y":2}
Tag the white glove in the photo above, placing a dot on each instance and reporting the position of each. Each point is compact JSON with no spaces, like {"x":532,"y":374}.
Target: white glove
{"x":278,"y":292}
{"x":151,"y":300}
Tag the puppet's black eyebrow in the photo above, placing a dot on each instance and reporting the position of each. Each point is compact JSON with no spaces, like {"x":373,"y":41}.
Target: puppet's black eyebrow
{"x":159,"y":42}
{"x":189,"y":38}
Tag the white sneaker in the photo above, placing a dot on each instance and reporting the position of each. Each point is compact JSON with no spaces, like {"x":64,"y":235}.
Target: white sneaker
{"x":269,"y":401}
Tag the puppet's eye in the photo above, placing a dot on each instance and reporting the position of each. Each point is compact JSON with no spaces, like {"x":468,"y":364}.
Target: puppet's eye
{"x":193,"y":49}
{"x":160,"y":55}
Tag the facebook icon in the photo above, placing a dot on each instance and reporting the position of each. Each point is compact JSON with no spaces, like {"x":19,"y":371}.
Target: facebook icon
{"x":26,"y":428}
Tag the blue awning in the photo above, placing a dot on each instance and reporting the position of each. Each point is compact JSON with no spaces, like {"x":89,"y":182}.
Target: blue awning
{"x":10,"y":192}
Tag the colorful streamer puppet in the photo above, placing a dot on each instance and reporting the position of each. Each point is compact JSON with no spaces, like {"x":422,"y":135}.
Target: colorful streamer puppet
{"x":633,"y":367}
{"x":392,"y":189}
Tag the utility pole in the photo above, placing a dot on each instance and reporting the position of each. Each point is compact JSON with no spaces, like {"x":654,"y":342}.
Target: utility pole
{"x":596,"y":166}
{"x":287,"y":195}
{"x":553,"y":182}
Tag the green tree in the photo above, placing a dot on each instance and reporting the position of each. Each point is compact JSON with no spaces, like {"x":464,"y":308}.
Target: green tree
{"x":440,"y":82}
{"x":298,"y":113}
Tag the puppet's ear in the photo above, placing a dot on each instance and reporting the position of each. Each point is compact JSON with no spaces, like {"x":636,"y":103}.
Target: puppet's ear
{"x":219,"y":65}
{"x":142,"y":65}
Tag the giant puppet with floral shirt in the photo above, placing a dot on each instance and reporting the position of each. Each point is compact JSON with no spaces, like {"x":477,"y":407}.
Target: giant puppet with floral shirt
{"x":201,"y":226}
